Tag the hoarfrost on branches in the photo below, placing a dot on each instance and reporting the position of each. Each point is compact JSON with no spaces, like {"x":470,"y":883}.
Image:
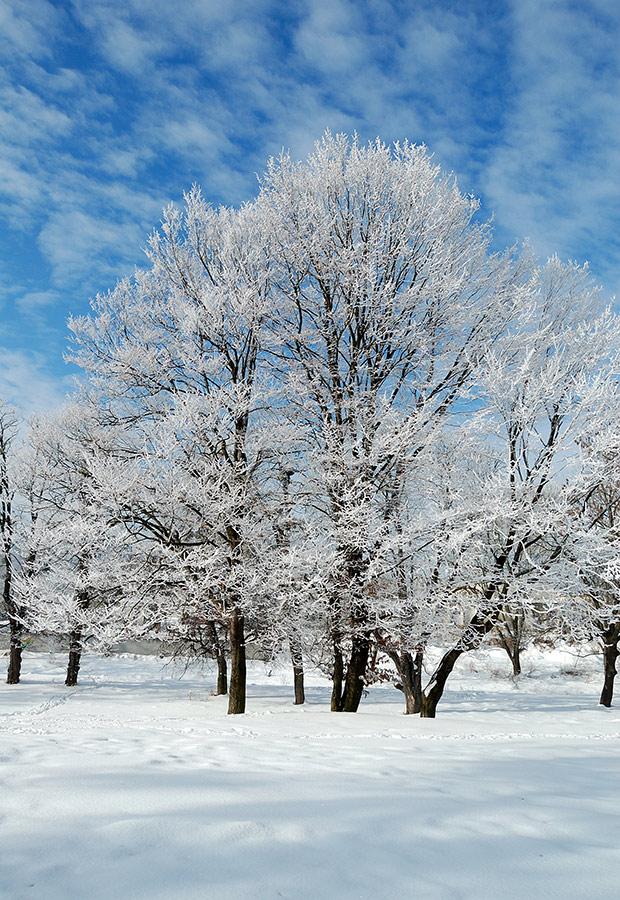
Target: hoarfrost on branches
{"x":334,"y":423}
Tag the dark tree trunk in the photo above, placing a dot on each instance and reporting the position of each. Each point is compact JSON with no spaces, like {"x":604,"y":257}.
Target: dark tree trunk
{"x":355,"y":680}
{"x":16,"y":628}
{"x":236,"y":697}
{"x":220,"y":655}
{"x":222,"y":673}
{"x":75,"y":636}
{"x":298,"y":671}
{"x":282,"y":535}
{"x":348,"y":688}
{"x":409,"y":669}
{"x":610,"y":656}
{"x":15,"y":651}
{"x":337,"y":678}
{"x":75,"y":658}
{"x":482,"y":622}
{"x":350,"y":621}
{"x":435,"y":688}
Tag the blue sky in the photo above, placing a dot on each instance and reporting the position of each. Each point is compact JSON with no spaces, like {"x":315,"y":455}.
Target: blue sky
{"x":110,"y":109}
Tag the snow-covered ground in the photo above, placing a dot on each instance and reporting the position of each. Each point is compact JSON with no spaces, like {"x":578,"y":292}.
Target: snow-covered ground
{"x":137,"y":785}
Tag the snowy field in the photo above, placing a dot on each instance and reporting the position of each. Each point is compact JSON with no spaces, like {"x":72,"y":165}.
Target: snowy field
{"x":136,"y":785}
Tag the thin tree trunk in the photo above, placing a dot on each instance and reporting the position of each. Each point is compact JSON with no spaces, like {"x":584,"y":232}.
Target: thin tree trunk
{"x":75,"y":635}
{"x":16,"y":629}
{"x":282,"y":535}
{"x":435,"y":688}
{"x":510,"y":631}
{"x":220,"y":655}
{"x":298,"y":671}
{"x":75,"y":658}
{"x":337,"y":678}
{"x":15,"y":651}
{"x":236,"y":697}
{"x":513,"y":651}
{"x":222,"y":673}
{"x":610,"y":656}
{"x":482,"y":622}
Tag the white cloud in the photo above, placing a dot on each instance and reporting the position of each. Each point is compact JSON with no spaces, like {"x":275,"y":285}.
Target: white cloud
{"x":123,"y":161}
{"x":555,"y":173}
{"x":128,"y":49}
{"x":26,"y":119}
{"x":27,"y":382}
{"x":22,"y":188}
{"x":27,"y":28}
{"x":71,"y":236}
{"x":33,"y":301}
{"x":332,"y":39}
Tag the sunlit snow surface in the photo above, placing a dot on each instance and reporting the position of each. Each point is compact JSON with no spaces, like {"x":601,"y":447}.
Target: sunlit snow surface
{"x":137,"y":785}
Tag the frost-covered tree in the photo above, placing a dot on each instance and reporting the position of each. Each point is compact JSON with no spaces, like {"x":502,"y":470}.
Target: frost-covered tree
{"x":547,"y":381}
{"x":596,"y":550}
{"x":385,"y":298}
{"x":274,"y":402}
{"x":73,"y":557}
{"x":175,"y":365}
{"x":9,"y":425}
{"x":418,"y":580}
